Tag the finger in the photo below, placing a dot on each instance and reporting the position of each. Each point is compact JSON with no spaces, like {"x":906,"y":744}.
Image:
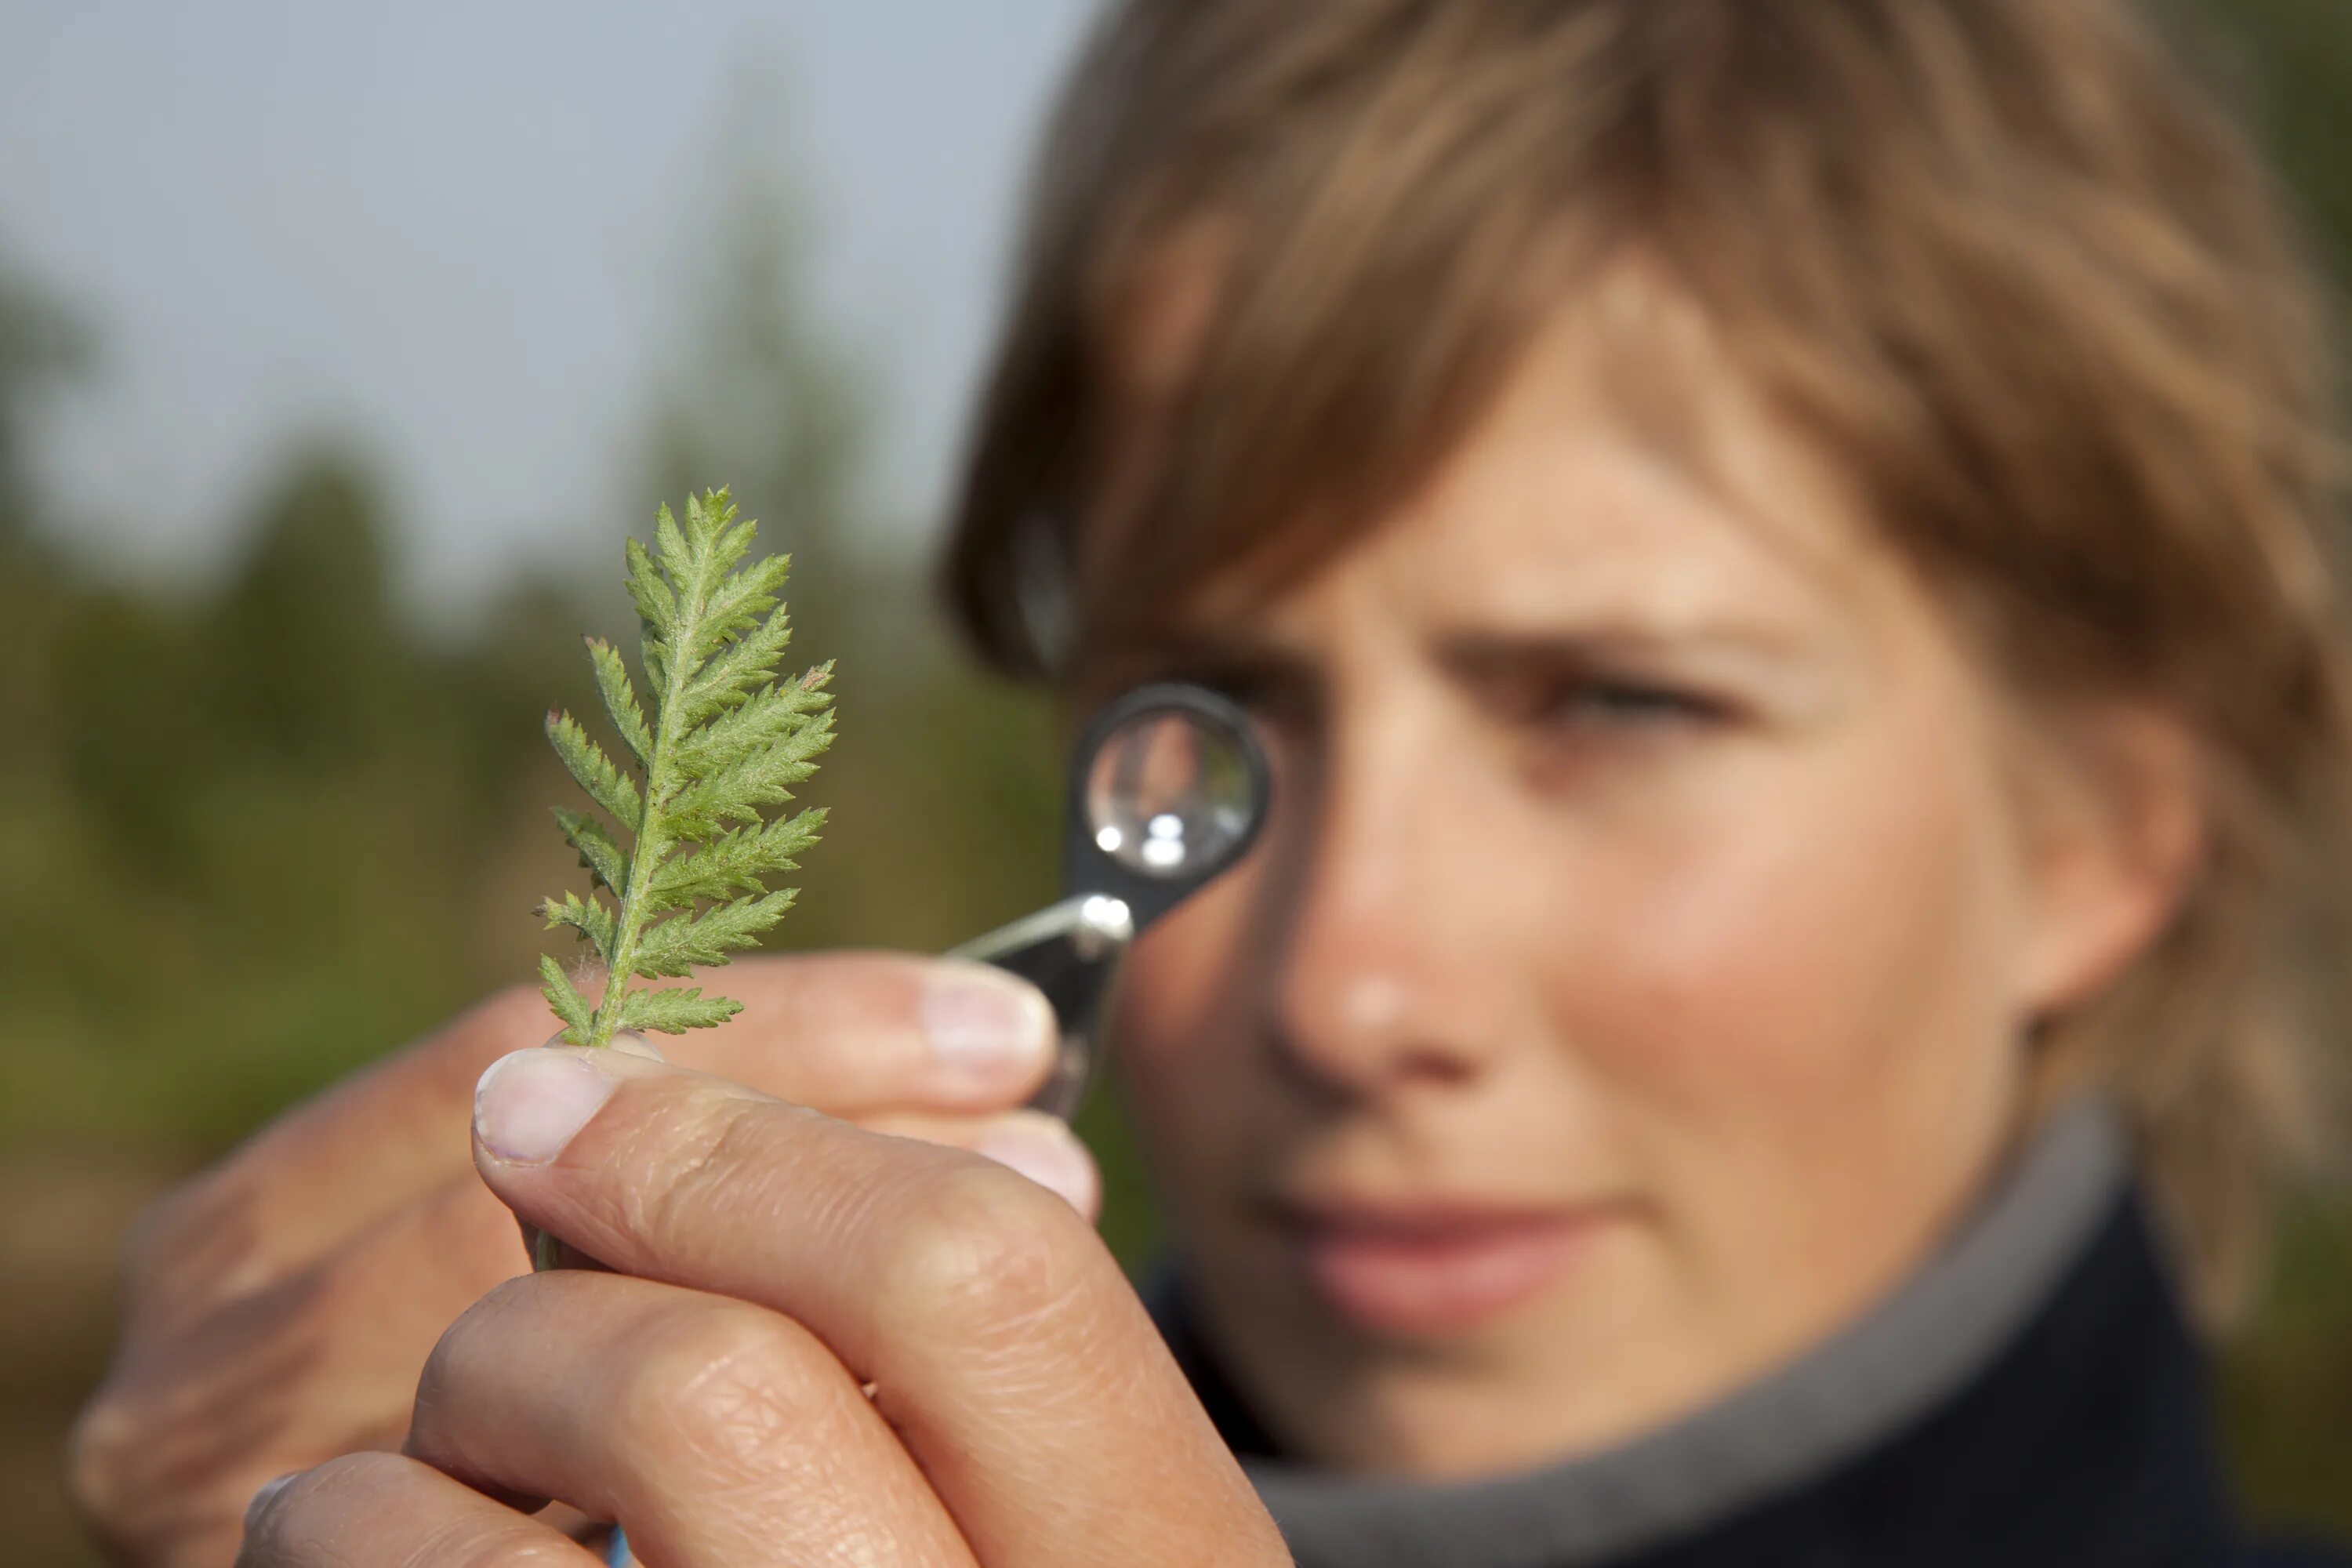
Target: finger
{"x":850,"y":1033}
{"x":712,"y":1430}
{"x":1038,"y":1146}
{"x":385,"y":1511}
{"x":1007,"y":1349}
{"x":857,"y":1032}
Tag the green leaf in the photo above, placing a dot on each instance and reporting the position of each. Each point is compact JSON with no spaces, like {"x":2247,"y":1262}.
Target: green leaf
{"x":598,"y":852}
{"x":682,"y":942}
{"x":591,"y":769}
{"x":568,"y":1003}
{"x":742,"y":601}
{"x":593,"y":920}
{"x":736,"y":862}
{"x":763,"y":720}
{"x":620,"y":699}
{"x":656,"y":605}
{"x":677,"y":557}
{"x":758,"y":776}
{"x":720,"y":737}
{"x":674,"y":1012}
{"x":738,"y":671}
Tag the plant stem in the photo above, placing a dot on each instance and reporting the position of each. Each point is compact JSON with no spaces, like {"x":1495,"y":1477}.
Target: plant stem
{"x":645,"y":853}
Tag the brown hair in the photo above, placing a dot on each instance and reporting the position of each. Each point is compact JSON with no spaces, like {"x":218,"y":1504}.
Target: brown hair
{"x":2018,"y":275}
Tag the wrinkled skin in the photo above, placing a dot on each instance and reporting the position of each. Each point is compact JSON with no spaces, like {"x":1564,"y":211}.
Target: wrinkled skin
{"x":280,"y":1306}
{"x":822,"y":1344}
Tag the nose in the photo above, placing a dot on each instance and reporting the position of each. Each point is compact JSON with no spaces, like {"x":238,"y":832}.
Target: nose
{"x":1385,"y":979}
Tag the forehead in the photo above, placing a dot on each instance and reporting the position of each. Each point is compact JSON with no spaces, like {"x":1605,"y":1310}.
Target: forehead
{"x":1623,"y":471}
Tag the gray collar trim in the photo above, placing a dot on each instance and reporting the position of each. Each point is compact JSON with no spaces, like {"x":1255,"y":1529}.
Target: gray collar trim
{"x":1929,"y":1338}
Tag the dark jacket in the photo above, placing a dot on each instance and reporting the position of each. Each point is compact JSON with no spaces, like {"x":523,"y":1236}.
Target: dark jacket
{"x":2033,"y":1398}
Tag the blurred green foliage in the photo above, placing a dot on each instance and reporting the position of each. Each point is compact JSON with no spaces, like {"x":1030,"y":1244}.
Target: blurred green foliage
{"x":261,"y":833}
{"x":255,"y":834}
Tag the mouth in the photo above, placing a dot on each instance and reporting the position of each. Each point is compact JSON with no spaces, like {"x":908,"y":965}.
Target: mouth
{"x":1425,"y":1270}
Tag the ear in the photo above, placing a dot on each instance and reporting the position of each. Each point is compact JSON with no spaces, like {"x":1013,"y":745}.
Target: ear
{"x":2119,"y":831}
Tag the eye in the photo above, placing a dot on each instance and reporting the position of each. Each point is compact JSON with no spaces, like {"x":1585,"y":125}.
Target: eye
{"x":1602,"y":702}
{"x":1585,"y":702}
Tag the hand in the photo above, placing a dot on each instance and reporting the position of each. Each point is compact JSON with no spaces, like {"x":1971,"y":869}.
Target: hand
{"x":823,"y":1344}
{"x":280,"y":1306}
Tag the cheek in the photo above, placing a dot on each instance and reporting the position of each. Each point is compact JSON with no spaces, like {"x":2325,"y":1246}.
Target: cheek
{"x":1181,"y":1033}
{"x":1799,"y":963}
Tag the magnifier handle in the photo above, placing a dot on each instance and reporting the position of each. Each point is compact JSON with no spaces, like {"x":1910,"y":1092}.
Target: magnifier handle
{"x":1071,"y":952}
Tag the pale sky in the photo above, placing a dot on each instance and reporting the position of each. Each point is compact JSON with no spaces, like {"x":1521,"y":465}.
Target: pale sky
{"x":455,"y":230}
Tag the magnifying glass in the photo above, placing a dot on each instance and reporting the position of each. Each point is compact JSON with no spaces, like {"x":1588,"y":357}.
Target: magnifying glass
{"x":1168,"y":789}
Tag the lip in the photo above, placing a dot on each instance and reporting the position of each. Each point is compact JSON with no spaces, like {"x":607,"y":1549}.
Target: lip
{"x":1419,"y":1270}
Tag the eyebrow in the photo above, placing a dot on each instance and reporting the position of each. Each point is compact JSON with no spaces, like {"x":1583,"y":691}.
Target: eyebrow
{"x":1488,"y":651}
{"x":1249,"y":665}
{"x":1239,"y":660}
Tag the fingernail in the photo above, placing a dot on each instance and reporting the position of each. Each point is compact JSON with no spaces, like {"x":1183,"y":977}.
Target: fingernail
{"x":985,"y":1027}
{"x":528,"y":1105}
{"x":630,"y":1043}
{"x":1046,"y":1151}
{"x":261,"y":1497}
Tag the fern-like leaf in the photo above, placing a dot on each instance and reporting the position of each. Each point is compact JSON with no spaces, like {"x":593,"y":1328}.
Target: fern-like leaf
{"x":620,"y":699}
{"x":590,"y":769}
{"x":567,"y":1001}
{"x":735,"y":791}
{"x":716,"y":737}
{"x":736,"y":862}
{"x":591,"y":919}
{"x":686,"y":941}
{"x":605,"y":858}
{"x":677,"y":1011}
{"x":656,"y":606}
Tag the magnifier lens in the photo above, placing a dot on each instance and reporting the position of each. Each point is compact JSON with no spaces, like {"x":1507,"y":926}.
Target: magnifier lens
{"x":1169,"y":795}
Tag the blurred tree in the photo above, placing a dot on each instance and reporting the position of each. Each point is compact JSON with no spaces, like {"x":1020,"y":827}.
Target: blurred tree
{"x":2289,"y":63}
{"x":310,"y":665}
{"x":40,"y":345}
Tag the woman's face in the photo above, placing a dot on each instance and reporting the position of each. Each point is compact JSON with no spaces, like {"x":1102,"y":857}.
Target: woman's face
{"x":1630,"y":985}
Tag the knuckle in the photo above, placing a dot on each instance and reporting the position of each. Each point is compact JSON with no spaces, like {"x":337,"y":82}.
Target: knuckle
{"x":363,"y":1471}
{"x":719,"y":1388}
{"x":696,"y":1163}
{"x":309,"y":1507}
{"x":99,"y":1451}
{"x":982,"y":1248}
{"x":157,"y":1248}
{"x":447,"y":1371}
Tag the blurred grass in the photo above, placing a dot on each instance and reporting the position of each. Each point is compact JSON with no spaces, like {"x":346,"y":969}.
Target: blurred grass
{"x":255,"y":834}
